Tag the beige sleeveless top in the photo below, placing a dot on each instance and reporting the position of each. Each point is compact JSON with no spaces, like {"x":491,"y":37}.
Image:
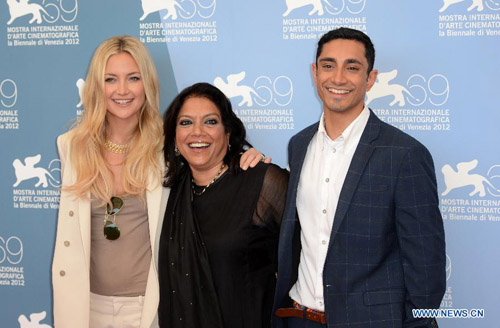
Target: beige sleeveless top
{"x":120,"y":267}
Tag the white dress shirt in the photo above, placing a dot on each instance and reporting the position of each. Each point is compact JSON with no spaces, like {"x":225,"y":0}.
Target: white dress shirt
{"x":321,"y":179}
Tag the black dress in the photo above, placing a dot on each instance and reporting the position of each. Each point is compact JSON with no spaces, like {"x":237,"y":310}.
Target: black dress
{"x":237,"y":219}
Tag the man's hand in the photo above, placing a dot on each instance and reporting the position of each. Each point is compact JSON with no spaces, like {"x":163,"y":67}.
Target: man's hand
{"x":252,"y":157}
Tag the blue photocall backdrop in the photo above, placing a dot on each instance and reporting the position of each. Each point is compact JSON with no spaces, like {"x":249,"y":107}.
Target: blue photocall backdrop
{"x":438,"y":69}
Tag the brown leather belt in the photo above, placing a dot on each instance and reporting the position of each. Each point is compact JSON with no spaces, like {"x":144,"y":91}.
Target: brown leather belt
{"x":303,"y":314}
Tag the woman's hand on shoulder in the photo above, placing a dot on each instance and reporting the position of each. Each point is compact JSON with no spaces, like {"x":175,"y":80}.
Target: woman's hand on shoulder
{"x":252,"y":157}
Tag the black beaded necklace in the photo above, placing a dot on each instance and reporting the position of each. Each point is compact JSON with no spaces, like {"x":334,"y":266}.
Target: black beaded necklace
{"x":219,"y":173}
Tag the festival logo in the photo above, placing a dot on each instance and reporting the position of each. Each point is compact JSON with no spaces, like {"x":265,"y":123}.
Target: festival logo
{"x":181,"y":21}
{"x":11,"y":255}
{"x":447,"y":301}
{"x":476,"y":195}
{"x":382,"y":88}
{"x":463,"y":178}
{"x":172,"y":8}
{"x":80,"y":83}
{"x":405,"y":99}
{"x":263,"y":104}
{"x":42,"y":23}
{"x":34,"y":321}
{"x":28,"y":171}
{"x":332,"y":7}
{"x":474,"y":4}
{"x":469,"y":18}
{"x":41,"y":185}
{"x":448,"y":267}
{"x":310,"y":19}
{"x":20,"y":8}
{"x":317,"y":6}
{"x":231,"y":89}
{"x":9,"y":119}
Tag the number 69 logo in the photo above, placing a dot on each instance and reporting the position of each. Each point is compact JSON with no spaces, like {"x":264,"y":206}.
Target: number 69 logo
{"x":59,"y":9}
{"x":436,"y":89}
{"x":11,"y":250}
{"x":8,"y":93}
{"x":279,"y":90}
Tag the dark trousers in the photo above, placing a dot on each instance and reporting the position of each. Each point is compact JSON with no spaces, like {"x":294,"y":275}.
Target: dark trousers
{"x":302,"y":323}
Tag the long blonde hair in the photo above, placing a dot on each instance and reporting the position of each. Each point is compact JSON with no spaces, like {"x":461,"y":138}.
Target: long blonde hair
{"x":143,"y":162}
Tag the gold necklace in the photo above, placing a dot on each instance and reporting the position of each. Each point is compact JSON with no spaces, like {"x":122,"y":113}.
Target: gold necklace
{"x":219,"y":173}
{"x":116,"y":148}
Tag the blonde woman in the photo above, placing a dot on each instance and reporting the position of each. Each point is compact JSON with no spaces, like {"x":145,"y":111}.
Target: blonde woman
{"x":112,"y":202}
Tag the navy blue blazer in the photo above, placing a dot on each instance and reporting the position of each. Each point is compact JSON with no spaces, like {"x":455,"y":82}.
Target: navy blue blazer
{"x":386,"y":254}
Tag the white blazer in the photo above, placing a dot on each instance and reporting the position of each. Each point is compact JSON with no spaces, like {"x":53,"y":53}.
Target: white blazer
{"x":71,"y":263}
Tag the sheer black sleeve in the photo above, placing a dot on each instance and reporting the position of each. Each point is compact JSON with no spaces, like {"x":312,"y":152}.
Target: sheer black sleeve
{"x":272,"y":198}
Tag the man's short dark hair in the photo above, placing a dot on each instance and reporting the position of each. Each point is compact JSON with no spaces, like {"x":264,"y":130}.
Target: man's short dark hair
{"x":349,"y":34}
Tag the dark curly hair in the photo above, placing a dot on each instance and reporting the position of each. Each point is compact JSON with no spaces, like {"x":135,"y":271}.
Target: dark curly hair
{"x":232,"y":125}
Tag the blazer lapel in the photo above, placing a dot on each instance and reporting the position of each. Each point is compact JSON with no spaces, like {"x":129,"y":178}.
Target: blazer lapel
{"x":153,"y":199}
{"x":84,"y":217}
{"x":288,"y":250}
{"x":299,"y":153}
{"x":81,"y":206}
{"x":156,"y":198}
{"x":358,"y":163}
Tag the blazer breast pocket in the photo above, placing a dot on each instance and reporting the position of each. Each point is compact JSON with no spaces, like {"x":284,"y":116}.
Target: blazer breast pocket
{"x":371,"y":197}
{"x":373,"y":188}
{"x":384,"y":296}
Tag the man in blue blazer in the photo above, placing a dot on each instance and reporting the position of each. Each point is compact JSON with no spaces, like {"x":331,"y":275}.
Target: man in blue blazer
{"x":362,"y":239}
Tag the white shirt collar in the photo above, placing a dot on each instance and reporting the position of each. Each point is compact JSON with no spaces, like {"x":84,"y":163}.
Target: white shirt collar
{"x":350,"y":136}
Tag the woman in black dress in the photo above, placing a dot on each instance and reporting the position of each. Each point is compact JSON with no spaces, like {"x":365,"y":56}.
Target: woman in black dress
{"x":217,"y":261}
